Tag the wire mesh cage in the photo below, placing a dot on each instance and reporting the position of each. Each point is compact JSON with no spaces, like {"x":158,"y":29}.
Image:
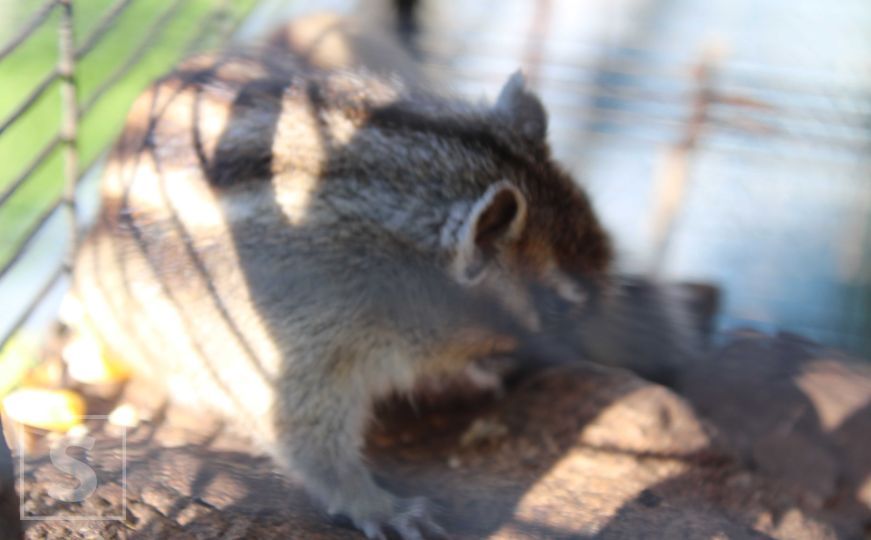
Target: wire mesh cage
{"x":720,"y":145}
{"x":717,"y":150}
{"x":725,"y":142}
{"x":70,"y":70}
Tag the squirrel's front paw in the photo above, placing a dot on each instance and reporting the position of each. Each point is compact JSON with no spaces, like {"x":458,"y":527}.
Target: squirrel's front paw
{"x":410,"y":519}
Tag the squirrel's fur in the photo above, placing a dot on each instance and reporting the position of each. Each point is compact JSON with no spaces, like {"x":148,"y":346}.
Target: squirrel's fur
{"x":287,"y":246}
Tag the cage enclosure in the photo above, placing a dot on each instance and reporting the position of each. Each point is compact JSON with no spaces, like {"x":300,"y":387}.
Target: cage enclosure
{"x":726,"y":146}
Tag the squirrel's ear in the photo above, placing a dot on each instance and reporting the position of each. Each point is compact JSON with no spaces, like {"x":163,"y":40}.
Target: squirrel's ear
{"x":522,"y":108}
{"x":495,"y":220}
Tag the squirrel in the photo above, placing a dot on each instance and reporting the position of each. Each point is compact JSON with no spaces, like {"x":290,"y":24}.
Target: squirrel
{"x":288,"y":245}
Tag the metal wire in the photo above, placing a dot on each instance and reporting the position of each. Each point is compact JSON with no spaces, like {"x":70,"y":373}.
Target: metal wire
{"x":69,"y":126}
{"x":30,"y":27}
{"x":29,"y":100}
{"x":103,"y":26}
{"x":216,"y":16}
{"x":623,"y":82}
{"x":40,"y":158}
{"x":29,"y":236}
{"x":153,"y":33}
{"x":622,"y":99}
{"x":32,"y":305}
{"x":67,"y":138}
{"x":72,"y":112}
{"x":628,"y":92}
{"x":220,"y":13}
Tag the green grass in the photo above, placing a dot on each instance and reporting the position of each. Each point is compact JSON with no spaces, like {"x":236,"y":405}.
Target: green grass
{"x":32,"y":61}
{"x":22,"y":71}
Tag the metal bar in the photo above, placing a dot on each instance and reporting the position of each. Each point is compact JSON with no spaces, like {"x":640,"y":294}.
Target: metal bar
{"x":29,"y":27}
{"x":68,"y":135}
{"x":767,"y":112}
{"x":534,"y":46}
{"x":593,"y":88}
{"x":724,"y":95}
{"x":232,"y":25}
{"x":31,"y":233}
{"x":34,"y":303}
{"x":27,"y":171}
{"x":214,"y":17}
{"x":736,"y":77}
{"x":103,"y":26}
{"x":675,"y":174}
{"x":669,"y":71}
{"x":153,"y":32}
{"x":69,"y":125}
{"x":29,"y":100}
{"x":746,"y":151}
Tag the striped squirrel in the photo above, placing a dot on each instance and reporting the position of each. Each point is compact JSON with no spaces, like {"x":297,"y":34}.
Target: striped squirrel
{"x":287,"y":246}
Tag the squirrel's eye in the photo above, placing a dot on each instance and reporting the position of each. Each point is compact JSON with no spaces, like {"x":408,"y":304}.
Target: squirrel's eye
{"x":553,"y":306}
{"x":572,"y":292}
{"x":566,"y":288}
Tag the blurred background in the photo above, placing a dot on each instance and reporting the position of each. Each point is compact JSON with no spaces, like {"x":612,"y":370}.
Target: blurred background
{"x":723,"y":141}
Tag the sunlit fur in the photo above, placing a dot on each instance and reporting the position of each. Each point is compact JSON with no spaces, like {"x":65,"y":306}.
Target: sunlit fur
{"x":288,"y":246}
